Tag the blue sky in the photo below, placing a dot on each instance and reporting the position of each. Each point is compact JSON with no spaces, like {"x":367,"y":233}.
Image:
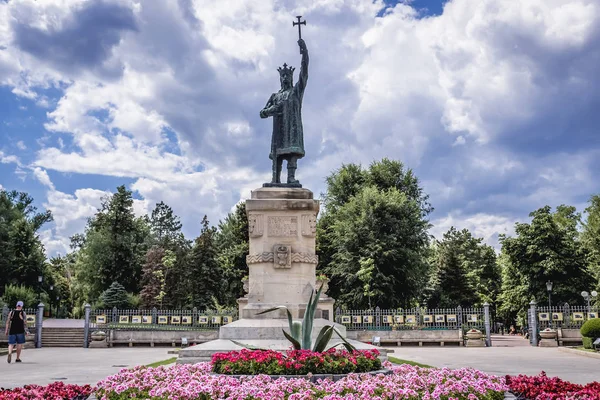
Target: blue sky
{"x":493,"y":104}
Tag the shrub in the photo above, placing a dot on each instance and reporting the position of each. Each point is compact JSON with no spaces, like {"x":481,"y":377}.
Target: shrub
{"x":115,"y":296}
{"x":588,"y":343}
{"x":14,"y":293}
{"x":591,"y":328}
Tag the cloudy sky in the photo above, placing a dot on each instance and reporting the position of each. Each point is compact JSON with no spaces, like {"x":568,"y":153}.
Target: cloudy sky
{"x":494,"y":104}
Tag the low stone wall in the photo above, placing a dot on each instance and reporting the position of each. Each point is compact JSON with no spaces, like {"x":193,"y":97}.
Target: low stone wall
{"x":395,"y":338}
{"x":569,"y":337}
{"x":414,"y":337}
{"x":131,"y":338}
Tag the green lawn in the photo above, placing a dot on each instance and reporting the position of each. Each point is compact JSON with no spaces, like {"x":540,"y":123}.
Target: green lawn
{"x":163,"y":362}
{"x":414,"y":363}
{"x":584,"y":349}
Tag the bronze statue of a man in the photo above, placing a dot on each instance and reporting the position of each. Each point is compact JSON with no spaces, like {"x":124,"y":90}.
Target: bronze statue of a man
{"x":285,"y":106}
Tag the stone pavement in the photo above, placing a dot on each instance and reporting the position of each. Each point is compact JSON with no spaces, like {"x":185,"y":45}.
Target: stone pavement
{"x":75,"y":365}
{"x":507,"y":360}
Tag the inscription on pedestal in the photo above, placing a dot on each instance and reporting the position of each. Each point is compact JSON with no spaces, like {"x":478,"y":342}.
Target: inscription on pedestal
{"x":255,"y":225}
{"x":309,"y":225}
{"x":283,"y":226}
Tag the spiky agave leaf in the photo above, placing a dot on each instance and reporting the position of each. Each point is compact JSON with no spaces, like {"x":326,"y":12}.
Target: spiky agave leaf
{"x":295,"y":343}
{"x":323,"y":338}
{"x":309,"y":318}
{"x":289,"y":315}
{"x":246,"y":346}
{"x":344,"y":343}
{"x":296,"y":331}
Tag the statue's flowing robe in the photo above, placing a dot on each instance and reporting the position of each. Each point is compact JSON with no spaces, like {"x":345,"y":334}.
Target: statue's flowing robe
{"x":288,"y":135}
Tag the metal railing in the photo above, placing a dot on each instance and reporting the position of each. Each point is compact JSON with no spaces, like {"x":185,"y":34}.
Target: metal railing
{"x":155,"y":319}
{"x":29,"y":312}
{"x":565,"y":317}
{"x":412,"y":319}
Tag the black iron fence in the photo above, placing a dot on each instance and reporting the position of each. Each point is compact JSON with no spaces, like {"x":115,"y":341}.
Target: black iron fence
{"x":413,"y":319}
{"x":155,"y":319}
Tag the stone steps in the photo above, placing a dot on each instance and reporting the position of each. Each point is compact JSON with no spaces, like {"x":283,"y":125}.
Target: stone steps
{"x":62,"y":337}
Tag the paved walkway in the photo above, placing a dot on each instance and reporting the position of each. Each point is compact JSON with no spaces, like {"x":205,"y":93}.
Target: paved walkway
{"x":507,"y":360}
{"x":63,"y":323}
{"x":75,"y":365}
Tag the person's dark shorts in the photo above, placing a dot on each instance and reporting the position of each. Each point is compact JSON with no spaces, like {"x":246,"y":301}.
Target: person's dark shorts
{"x":19,"y":338}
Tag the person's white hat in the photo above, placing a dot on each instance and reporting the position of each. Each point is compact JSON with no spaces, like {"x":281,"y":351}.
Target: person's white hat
{"x":19,"y":303}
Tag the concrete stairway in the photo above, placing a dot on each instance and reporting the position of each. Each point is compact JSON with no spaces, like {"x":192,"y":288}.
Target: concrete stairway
{"x":62,"y":337}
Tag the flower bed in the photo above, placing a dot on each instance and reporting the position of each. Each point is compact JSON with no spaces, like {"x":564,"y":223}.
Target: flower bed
{"x":542,"y":387}
{"x":295,"y":362}
{"x":197,"y":382}
{"x":56,"y":390}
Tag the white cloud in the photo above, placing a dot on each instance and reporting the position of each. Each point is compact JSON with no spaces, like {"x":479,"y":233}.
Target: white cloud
{"x":21,"y":145}
{"x":42,"y":176}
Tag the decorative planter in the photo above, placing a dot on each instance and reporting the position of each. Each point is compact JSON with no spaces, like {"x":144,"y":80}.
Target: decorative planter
{"x":474,"y":338}
{"x":548,"y":338}
{"x":98,"y":336}
{"x":312,"y":377}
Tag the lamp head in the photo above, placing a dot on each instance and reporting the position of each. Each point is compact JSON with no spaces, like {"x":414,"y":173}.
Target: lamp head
{"x":549,"y":286}
{"x":585,"y":294}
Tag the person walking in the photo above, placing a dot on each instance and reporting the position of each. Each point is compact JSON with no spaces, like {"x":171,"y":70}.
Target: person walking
{"x":16,"y":328}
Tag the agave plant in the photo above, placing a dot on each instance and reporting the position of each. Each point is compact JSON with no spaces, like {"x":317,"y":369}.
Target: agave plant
{"x":301,"y":332}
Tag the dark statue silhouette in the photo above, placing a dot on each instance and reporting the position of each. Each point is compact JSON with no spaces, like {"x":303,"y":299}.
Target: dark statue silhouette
{"x":285,"y":106}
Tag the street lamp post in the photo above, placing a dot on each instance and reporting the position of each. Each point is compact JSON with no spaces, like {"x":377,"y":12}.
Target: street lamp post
{"x":588,"y":297}
{"x":50,"y":299}
{"x":549,"y":288}
{"x":40,"y":280}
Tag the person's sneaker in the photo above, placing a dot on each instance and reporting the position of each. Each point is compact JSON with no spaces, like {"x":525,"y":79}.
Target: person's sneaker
{"x":9,"y":358}
{"x":18,"y":360}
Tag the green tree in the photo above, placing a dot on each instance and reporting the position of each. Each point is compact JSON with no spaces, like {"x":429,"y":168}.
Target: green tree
{"x":114,"y":247}
{"x":22,"y":255}
{"x":465,"y":271}
{"x":590,"y":237}
{"x":165,"y":227}
{"x":372,"y":237}
{"x":205,"y":279}
{"x":232,"y":247}
{"x":544,"y":250}
{"x":115,"y":296}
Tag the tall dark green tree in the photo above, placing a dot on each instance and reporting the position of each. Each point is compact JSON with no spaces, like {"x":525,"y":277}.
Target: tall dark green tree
{"x":465,"y":271}
{"x":165,"y":227}
{"x":590,"y":238}
{"x":372,"y":237}
{"x":232,"y":247}
{"x":115,"y":245}
{"x":22,"y":254}
{"x":204,"y":275}
{"x":547,"y":249}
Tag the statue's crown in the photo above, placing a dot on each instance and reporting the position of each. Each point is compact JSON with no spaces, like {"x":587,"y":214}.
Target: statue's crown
{"x":285,"y":70}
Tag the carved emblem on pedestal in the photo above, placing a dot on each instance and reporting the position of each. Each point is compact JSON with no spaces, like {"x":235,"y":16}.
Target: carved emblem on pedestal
{"x":283,"y":226}
{"x":309,"y":225}
{"x":283,"y":256}
{"x":255,"y":225}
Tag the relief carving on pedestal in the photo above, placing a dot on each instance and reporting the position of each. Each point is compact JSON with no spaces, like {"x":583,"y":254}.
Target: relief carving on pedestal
{"x":309,"y":225}
{"x":283,"y":226}
{"x":282,"y":256}
{"x":256,"y":225}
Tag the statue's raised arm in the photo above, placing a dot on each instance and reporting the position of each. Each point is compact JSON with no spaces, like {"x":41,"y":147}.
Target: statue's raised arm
{"x":303,"y":78}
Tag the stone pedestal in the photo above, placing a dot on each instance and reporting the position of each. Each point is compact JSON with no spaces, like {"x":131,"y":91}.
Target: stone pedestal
{"x":281,"y":260}
{"x":282,"y":224}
